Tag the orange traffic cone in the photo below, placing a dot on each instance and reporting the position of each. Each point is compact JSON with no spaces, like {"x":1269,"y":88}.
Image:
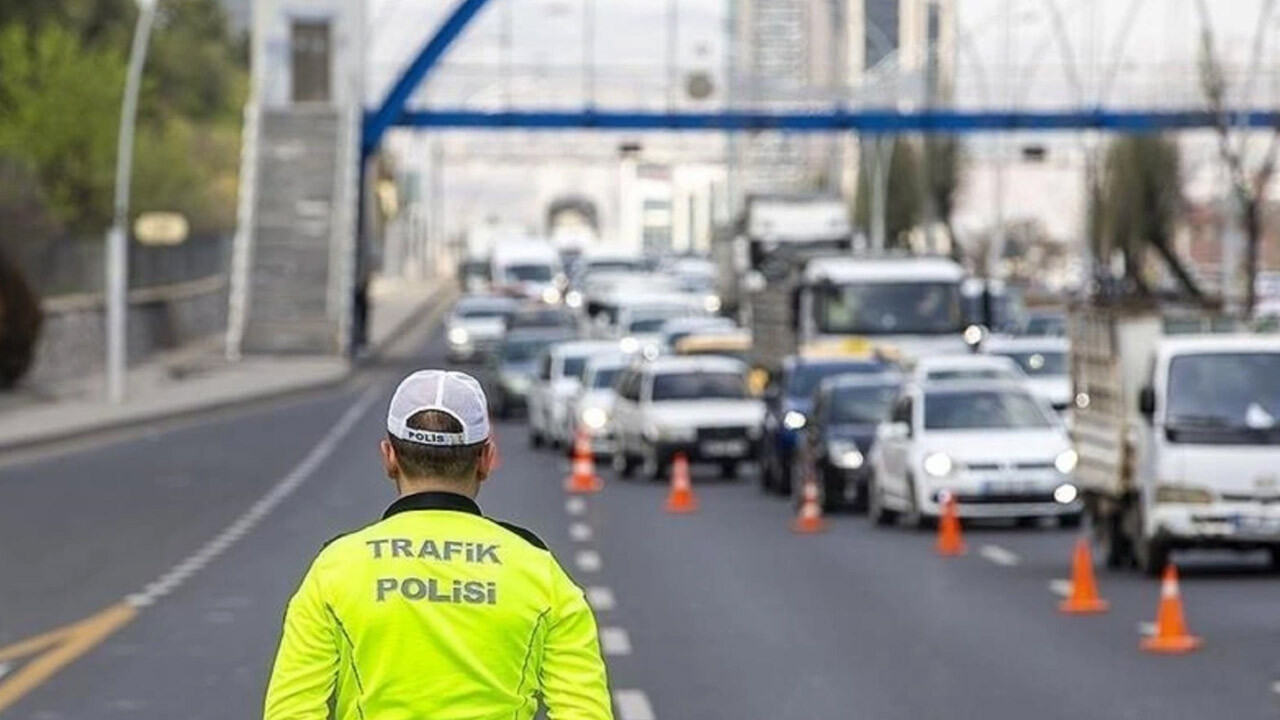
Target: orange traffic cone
{"x":1084,"y":598}
{"x":582,"y":479}
{"x":809,"y":520}
{"x":681,"y":499}
{"x":1171,"y":636}
{"x":950,"y":543}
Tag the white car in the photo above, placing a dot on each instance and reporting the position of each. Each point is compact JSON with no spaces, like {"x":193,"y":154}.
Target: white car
{"x":476,"y":326}
{"x":934,"y":368}
{"x":676,"y":329}
{"x":994,"y":446}
{"x":556,"y":381}
{"x":591,"y":409}
{"x":699,"y":406}
{"x":1043,"y":360}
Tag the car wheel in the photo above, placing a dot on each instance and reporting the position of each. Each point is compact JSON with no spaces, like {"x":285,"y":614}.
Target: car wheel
{"x":768,"y":478}
{"x":1275,"y":558}
{"x":535,"y":438}
{"x":786,"y":478}
{"x":622,"y":464}
{"x":916,"y":518}
{"x":729,"y":469}
{"x":1152,"y":555}
{"x":832,"y":491}
{"x":879,"y":514}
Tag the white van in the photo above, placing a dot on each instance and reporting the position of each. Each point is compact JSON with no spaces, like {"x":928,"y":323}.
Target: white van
{"x":527,"y":268}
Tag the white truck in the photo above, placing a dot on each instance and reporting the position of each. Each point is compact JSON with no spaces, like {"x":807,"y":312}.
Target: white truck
{"x":1178,"y":436}
{"x":910,"y":306}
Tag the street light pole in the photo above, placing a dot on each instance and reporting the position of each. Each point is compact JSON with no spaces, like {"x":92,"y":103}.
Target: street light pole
{"x":117,"y":280}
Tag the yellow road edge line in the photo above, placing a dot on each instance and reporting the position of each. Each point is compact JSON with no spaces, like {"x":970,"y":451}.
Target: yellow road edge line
{"x":68,"y":645}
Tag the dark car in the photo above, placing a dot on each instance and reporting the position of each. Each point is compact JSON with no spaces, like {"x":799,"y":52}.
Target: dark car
{"x":1046,"y":323}
{"x":837,"y":440}
{"x":542,"y":317}
{"x":787,"y":405}
{"x":515,"y":364}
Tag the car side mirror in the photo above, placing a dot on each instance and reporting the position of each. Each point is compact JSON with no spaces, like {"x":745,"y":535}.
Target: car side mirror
{"x":1147,"y":402}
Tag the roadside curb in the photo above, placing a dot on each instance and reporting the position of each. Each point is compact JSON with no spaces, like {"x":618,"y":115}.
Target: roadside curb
{"x":424,"y":311}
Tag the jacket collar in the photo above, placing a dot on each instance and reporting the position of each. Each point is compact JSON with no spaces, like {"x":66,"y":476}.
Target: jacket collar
{"x":433,"y":501}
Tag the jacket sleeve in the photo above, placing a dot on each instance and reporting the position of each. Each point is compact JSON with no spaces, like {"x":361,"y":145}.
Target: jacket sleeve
{"x":574,"y":683}
{"x":305,"y":673}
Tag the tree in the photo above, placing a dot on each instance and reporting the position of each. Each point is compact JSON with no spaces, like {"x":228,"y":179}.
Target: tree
{"x":903,"y":204}
{"x":1139,"y":205}
{"x":1248,"y":184}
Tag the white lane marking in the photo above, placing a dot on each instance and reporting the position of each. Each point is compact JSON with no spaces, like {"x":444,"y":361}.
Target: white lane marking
{"x":285,"y":486}
{"x":588,"y":561}
{"x":1147,"y":628}
{"x":1061,"y":588}
{"x":999,"y":555}
{"x":575,"y":506}
{"x":601,"y":598}
{"x":633,"y":705}
{"x":580,"y":531}
{"x":615,"y":641}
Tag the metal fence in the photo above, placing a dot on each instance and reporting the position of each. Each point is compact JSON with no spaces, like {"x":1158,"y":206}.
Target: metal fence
{"x":71,"y":266}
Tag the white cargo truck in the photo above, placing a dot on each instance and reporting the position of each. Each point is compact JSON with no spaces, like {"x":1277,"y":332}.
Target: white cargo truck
{"x":1178,"y":436}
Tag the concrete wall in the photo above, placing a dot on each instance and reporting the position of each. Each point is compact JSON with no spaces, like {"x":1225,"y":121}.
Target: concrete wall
{"x":73,"y":339}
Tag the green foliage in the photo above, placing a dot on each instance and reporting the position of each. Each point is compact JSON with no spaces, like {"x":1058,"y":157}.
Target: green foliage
{"x":1141,"y":194}
{"x":903,"y":204}
{"x":55,"y":97}
{"x":64,"y":65}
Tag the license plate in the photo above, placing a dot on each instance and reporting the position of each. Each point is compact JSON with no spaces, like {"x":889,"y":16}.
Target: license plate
{"x":723,"y":448}
{"x":1256,"y":525}
{"x":1008,"y":488}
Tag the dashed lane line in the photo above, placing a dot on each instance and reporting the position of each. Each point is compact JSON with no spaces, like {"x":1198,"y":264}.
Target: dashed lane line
{"x":575,"y":506}
{"x":999,"y":555}
{"x":601,"y":598}
{"x":588,"y":561}
{"x":615,"y":641}
{"x":54,"y":650}
{"x":580,"y":532}
{"x":633,"y":705}
{"x":1060,"y":587}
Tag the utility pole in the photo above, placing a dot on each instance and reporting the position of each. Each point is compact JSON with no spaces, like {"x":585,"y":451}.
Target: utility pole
{"x":117,"y":270}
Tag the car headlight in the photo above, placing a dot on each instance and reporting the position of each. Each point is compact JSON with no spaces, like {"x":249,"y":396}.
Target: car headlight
{"x":711,"y":304}
{"x":595,"y":418}
{"x":551,"y":296}
{"x":1066,"y":461}
{"x":1065,"y":494}
{"x":459,"y":336}
{"x":794,"y":420}
{"x":573,"y":299}
{"x":629,"y":345}
{"x":846,"y":455}
{"x":938,"y":464}
{"x":1188,"y":494}
{"x":518,"y":383}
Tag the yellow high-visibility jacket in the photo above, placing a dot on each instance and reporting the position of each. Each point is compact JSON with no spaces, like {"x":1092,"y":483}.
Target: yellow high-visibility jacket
{"x":438,"y":612}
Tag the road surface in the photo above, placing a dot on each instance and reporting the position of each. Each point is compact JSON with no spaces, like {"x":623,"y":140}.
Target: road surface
{"x":161,"y":562}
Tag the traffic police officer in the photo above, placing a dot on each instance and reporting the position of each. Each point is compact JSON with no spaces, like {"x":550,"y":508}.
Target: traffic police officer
{"x":437,"y":611}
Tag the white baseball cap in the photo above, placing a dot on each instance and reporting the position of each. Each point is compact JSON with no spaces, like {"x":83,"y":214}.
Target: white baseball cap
{"x":455,"y":394}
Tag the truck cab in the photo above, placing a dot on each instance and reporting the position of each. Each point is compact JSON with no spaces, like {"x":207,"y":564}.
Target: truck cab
{"x":908,"y":305}
{"x":1179,"y":439}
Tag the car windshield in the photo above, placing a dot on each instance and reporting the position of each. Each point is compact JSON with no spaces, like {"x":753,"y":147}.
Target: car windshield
{"x":696,"y":283}
{"x":475,"y":269}
{"x":1040,"y":363}
{"x":523,"y":350}
{"x":574,"y":366}
{"x":1051,"y":325}
{"x":549,"y":317}
{"x":1224,"y":398}
{"x":984,"y":410}
{"x":889,"y":308}
{"x":699,"y":386}
{"x":861,"y":405}
{"x":477,"y":312}
{"x":529,"y":273}
{"x":804,"y":379}
{"x":604,"y":377}
{"x":646,"y":325}
{"x":613,"y":266}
